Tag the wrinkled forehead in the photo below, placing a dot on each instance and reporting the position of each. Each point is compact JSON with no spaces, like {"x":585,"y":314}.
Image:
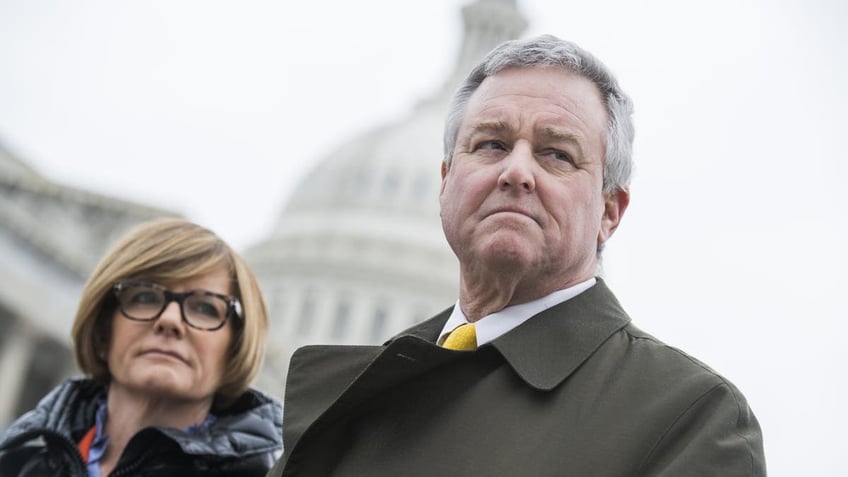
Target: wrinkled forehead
{"x":552,"y":94}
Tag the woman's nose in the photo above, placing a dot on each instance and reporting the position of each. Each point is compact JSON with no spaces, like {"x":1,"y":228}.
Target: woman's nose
{"x":171,"y":319}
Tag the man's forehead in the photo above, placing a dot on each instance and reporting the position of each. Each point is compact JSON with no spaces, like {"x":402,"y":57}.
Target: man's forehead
{"x":554,"y":94}
{"x":550,"y":76}
{"x":497,"y":125}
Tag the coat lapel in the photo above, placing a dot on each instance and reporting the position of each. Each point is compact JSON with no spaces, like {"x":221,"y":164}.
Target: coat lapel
{"x":326,"y":383}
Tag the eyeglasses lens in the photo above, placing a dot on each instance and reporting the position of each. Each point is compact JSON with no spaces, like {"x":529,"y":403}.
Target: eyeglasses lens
{"x":146,"y":302}
{"x":142,"y":303}
{"x":204,"y":311}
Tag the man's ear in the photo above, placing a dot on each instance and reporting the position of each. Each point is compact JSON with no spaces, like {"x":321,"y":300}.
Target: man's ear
{"x":615,"y":203}
{"x":444,"y":176}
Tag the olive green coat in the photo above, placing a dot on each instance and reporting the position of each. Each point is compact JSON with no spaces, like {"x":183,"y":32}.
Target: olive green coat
{"x":574,"y":391}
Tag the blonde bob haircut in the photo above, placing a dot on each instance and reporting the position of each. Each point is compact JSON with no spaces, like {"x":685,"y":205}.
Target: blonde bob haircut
{"x":168,"y":251}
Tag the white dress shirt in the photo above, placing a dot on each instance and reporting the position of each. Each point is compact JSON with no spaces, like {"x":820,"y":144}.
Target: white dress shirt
{"x":496,"y":324}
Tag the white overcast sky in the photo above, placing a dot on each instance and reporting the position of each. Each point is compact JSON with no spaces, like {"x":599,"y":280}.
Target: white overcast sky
{"x":734,"y":245}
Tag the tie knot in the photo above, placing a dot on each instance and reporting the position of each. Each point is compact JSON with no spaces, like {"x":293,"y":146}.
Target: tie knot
{"x":462,"y":338}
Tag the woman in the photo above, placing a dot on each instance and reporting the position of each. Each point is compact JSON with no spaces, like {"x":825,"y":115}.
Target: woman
{"x":170,"y":332}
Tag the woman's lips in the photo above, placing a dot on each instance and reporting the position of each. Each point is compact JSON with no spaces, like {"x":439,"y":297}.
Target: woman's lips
{"x":164,"y":354}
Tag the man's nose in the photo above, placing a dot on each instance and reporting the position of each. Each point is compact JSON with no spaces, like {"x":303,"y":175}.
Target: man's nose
{"x":518,"y":169}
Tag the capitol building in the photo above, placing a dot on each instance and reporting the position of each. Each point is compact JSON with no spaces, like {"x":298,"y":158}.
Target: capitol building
{"x":356,"y":256}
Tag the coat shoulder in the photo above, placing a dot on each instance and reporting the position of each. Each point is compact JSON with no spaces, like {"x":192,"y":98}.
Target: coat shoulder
{"x":701,"y":409}
{"x":673,"y":363}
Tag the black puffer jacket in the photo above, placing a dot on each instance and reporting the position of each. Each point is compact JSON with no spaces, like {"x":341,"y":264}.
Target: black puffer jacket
{"x":244,"y":440}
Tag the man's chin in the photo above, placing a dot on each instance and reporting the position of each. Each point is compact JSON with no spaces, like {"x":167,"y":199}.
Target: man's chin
{"x":508,"y":254}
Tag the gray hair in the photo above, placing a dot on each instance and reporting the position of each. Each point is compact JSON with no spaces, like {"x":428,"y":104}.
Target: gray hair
{"x":548,"y":50}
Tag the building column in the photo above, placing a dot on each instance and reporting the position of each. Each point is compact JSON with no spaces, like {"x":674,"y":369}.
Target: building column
{"x":16,"y":352}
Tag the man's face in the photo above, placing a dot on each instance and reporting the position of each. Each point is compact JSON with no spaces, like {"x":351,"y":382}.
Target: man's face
{"x":524,"y":191}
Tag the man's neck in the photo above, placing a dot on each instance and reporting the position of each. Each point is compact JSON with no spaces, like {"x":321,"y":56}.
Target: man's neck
{"x":494,"y":295}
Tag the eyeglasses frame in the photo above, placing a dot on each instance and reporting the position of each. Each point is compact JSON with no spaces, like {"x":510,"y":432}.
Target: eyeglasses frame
{"x":233,"y":303}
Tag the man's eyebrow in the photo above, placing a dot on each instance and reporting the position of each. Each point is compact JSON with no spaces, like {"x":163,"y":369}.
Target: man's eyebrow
{"x":490,"y":126}
{"x":557,"y":134}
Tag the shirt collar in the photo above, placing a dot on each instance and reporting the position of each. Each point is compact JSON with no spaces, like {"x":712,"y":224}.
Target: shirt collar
{"x":493,"y":326}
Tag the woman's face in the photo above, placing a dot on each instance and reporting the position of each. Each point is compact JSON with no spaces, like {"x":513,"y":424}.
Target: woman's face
{"x":167,"y":359}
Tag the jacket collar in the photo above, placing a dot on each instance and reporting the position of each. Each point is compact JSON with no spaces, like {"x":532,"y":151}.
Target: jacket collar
{"x":67,"y":409}
{"x":251,"y":425}
{"x":546,"y":349}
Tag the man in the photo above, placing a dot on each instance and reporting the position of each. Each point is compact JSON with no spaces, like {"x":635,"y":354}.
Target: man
{"x":534,"y":183}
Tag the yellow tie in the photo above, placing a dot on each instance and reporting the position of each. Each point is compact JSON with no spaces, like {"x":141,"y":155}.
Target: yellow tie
{"x":462,"y":338}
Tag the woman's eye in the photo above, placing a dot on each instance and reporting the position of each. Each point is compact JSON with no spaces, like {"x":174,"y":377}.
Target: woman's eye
{"x":206,"y":308}
{"x":146,"y":298}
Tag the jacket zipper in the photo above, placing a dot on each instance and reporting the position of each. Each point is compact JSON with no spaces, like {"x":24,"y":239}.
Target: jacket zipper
{"x":130,"y":468}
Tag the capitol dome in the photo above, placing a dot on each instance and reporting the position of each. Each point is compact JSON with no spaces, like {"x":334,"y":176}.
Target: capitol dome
{"x":358,"y":253}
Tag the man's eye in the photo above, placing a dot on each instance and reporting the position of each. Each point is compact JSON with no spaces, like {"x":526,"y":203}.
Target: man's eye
{"x":491,"y":146}
{"x":561,"y":156}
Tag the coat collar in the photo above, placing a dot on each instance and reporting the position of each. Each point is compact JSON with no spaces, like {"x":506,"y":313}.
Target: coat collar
{"x":546,"y":349}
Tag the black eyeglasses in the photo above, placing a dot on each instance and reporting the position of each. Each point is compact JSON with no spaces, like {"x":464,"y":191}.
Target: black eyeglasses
{"x":201,"y":309}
